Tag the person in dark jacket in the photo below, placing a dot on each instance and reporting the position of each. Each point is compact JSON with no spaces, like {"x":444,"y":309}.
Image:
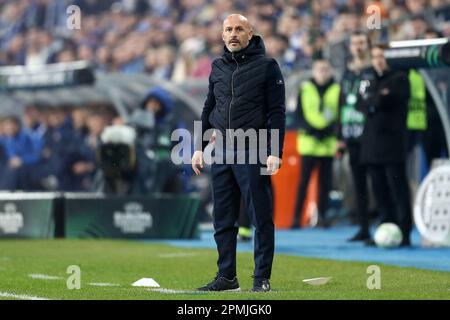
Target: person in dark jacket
{"x":351,"y":127}
{"x":384,"y":100}
{"x":246,"y":91}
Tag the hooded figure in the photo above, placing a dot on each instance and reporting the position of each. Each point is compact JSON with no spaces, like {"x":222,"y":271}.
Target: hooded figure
{"x":159,"y":104}
{"x":154,"y":123}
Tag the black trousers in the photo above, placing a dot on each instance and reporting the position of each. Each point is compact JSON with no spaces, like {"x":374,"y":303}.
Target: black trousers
{"x":229,"y":182}
{"x":392,"y":195}
{"x":359,"y":177}
{"x":325,"y":182}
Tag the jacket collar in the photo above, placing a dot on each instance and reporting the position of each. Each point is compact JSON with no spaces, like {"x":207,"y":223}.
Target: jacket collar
{"x":255,"y":48}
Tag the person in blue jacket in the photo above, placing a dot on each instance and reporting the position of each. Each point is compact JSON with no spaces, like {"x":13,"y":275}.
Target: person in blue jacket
{"x":21,"y":150}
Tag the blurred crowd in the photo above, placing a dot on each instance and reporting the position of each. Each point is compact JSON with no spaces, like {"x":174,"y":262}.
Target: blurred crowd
{"x":177,"y":39}
{"x":51,"y":149}
{"x":90,"y":148}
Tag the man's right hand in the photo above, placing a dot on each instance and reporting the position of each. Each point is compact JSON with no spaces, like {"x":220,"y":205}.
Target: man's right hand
{"x":197,"y":160}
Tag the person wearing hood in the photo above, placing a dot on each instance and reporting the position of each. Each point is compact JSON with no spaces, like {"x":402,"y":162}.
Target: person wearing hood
{"x":159,"y":104}
{"x":317,"y":109}
{"x":247,"y":92}
{"x":157,"y":111}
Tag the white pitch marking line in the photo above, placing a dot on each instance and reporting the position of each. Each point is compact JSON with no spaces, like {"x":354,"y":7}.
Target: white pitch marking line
{"x":170,"y":291}
{"x":44,"y":277}
{"x":20,"y":296}
{"x":103,"y":284}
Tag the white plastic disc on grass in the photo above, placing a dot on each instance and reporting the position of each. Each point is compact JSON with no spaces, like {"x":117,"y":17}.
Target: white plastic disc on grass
{"x":317,"y":281}
{"x":146,"y":282}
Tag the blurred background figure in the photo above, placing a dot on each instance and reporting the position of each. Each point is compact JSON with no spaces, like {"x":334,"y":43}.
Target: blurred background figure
{"x":317,"y":109}
{"x":21,"y":151}
{"x":384,"y":100}
{"x":351,"y":127}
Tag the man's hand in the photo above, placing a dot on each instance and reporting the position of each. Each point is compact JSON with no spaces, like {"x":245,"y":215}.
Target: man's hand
{"x":197,"y":160}
{"x":273,"y":164}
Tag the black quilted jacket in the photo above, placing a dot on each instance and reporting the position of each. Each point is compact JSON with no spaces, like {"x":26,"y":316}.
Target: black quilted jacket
{"x":246,"y":90}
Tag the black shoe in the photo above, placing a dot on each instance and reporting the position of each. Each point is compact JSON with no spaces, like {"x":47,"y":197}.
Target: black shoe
{"x":261,"y":285}
{"x":360,"y":236}
{"x":370,"y":243}
{"x":221,"y":284}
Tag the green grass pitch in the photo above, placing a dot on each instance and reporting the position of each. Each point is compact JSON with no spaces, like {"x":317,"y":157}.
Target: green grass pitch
{"x":181,"y":270}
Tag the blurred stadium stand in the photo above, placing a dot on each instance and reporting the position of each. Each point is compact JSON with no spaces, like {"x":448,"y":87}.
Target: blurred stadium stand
{"x":133,"y":46}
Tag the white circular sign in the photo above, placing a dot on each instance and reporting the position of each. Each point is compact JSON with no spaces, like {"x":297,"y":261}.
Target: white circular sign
{"x":432,"y":206}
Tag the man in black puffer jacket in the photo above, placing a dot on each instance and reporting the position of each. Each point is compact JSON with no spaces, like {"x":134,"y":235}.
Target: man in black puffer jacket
{"x":246,"y":91}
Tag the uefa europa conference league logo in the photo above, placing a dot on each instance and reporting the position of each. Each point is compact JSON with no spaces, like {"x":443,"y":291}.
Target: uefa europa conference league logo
{"x":133,"y":219}
{"x":11,"y":221}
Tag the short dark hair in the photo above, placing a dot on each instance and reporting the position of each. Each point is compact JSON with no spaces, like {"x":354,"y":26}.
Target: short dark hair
{"x":380,"y":45}
{"x":358,"y":33}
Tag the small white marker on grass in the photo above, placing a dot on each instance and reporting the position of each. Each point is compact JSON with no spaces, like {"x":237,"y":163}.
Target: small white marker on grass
{"x":146,"y":282}
{"x":317,"y":281}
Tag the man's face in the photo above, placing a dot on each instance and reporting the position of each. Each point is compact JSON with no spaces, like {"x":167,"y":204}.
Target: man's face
{"x":10,"y":127}
{"x":359,"y":46}
{"x":378,"y":60}
{"x":236,"y":33}
{"x":153,"y":105}
{"x":321,"y":71}
{"x":96,"y":124}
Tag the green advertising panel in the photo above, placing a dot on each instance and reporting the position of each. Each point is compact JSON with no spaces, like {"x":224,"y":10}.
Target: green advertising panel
{"x":27,"y":215}
{"x":150,"y":217}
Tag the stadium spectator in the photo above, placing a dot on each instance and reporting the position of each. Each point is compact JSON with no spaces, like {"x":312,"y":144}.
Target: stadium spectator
{"x":21,"y":150}
{"x":84,"y":161}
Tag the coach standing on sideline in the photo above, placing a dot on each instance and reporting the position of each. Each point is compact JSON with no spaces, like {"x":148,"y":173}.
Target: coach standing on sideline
{"x":246,"y":91}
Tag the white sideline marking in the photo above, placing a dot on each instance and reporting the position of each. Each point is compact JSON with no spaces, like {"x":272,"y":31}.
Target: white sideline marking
{"x":170,"y":291}
{"x":177,"y":255}
{"x":103,"y":284}
{"x":43,"y":277}
{"x":20,"y":296}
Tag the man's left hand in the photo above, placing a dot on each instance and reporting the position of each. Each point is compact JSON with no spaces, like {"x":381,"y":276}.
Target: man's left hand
{"x":273,"y":164}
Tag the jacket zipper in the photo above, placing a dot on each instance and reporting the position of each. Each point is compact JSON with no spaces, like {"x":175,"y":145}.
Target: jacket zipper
{"x":232,"y":95}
